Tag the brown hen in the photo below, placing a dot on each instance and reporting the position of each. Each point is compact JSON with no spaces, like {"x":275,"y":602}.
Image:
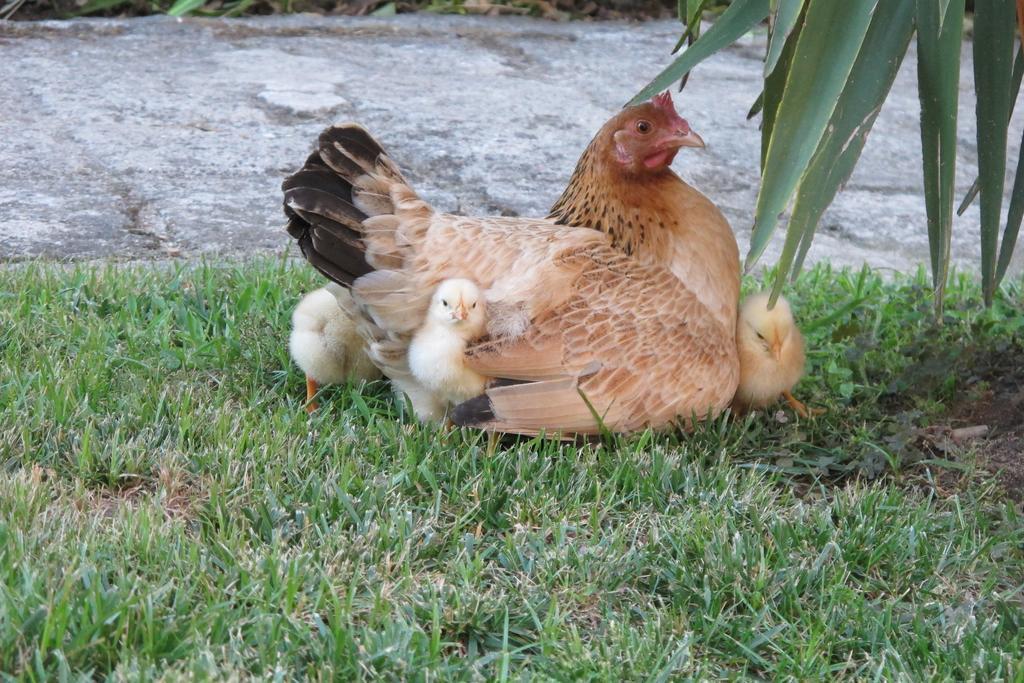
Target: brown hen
{"x":629,"y":322}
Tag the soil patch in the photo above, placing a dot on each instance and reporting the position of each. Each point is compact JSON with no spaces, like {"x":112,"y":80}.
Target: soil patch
{"x":1001,"y":450}
{"x":994,"y":402}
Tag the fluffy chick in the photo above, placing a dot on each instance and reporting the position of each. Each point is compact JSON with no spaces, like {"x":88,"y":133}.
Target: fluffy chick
{"x":771,"y":351}
{"x":325,"y":345}
{"x":437,"y":353}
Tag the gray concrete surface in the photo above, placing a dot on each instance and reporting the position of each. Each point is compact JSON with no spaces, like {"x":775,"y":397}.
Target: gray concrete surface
{"x":152,"y":137}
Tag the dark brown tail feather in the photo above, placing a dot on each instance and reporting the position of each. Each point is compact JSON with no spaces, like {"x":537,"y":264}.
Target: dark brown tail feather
{"x":318,"y":202}
{"x":475,"y":412}
{"x":478,"y":411}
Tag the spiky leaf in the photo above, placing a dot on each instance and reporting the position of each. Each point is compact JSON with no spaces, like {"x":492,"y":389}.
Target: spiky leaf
{"x":1018,"y":73}
{"x":825,"y":53}
{"x":183,"y":7}
{"x":774,"y":85}
{"x":939,"y":25}
{"x":868,"y":85}
{"x":994,"y":28}
{"x":1013,"y":218}
{"x":783,"y":19}
{"x":740,"y":17}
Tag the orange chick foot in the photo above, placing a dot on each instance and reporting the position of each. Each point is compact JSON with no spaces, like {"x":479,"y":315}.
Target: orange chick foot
{"x":311,"y":388}
{"x":800,"y":408}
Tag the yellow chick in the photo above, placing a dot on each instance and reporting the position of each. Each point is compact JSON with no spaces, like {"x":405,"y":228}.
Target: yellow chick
{"x":437,"y":353}
{"x":771,"y":351}
{"x":325,"y":345}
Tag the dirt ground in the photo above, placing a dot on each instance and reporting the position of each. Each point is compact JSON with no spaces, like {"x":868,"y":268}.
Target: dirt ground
{"x":985,"y":429}
{"x":1001,"y":450}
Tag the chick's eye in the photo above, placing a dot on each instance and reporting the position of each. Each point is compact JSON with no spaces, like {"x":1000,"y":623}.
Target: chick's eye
{"x":445,"y":302}
{"x":474,"y":305}
{"x":759,"y":336}
{"x":643,"y":127}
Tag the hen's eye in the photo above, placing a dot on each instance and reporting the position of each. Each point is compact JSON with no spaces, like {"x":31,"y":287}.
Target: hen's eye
{"x":643,"y":127}
{"x":445,"y":302}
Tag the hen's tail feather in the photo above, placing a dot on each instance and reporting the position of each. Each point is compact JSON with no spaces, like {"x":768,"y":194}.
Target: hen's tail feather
{"x":312,"y":204}
{"x":526,"y":408}
{"x":341,"y":268}
{"x":479,"y":410}
{"x":475,"y":412}
{"x":356,"y":139}
{"x":344,"y":182}
{"x":317,"y":176}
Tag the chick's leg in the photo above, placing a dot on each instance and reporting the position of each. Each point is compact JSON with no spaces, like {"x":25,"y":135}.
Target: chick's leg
{"x":799,"y":407}
{"x":311,"y":388}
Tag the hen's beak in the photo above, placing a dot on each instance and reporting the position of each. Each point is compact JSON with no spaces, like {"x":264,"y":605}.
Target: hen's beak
{"x":689,"y":139}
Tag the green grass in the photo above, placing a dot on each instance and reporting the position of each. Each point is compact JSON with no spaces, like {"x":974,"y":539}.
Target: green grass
{"x":167,"y":509}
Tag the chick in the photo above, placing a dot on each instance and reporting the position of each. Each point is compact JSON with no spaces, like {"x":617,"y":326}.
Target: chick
{"x":436,"y":355}
{"x":325,"y":344}
{"x":771,"y":351}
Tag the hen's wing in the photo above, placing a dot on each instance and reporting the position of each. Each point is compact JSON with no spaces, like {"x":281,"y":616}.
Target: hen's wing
{"x":631,"y":346}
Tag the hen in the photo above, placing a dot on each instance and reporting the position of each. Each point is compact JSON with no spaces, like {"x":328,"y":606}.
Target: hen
{"x":619,"y":309}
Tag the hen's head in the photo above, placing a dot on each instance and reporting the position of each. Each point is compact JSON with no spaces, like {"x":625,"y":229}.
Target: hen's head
{"x":645,"y":138}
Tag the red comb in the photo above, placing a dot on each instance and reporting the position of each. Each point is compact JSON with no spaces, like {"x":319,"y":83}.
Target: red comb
{"x":664,"y":101}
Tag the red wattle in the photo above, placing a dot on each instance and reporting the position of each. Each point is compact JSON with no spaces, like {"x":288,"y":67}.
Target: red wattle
{"x":659,"y":159}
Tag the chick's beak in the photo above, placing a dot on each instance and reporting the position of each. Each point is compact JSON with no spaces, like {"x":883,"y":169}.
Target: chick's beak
{"x":777,"y":349}
{"x":461,"y":312}
{"x":688,"y":138}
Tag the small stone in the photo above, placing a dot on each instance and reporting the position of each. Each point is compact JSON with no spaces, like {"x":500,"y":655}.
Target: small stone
{"x":301,"y":102}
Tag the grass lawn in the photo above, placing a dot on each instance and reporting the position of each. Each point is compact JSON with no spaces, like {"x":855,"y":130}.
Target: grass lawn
{"x":168,"y":509}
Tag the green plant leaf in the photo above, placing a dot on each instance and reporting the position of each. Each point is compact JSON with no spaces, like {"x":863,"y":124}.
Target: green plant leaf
{"x":97,"y":6}
{"x":690,"y":13}
{"x":694,"y":12}
{"x":1013,"y":218}
{"x":994,"y":29}
{"x":683,"y":39}
{"x":694,"y":8}
{"x":1018,"y":73}
{"x":869,"y":82}
{"x":740,"y":17}
{"x":774,"y":85}
{"x":756,"y":107}
{"x":783,"y":19}
{"x":826,"y":48}
{"x":182,"y":7}
{"x":237,"y":8}
{"x":938,"y":81}
{"x":1020,"y":20}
